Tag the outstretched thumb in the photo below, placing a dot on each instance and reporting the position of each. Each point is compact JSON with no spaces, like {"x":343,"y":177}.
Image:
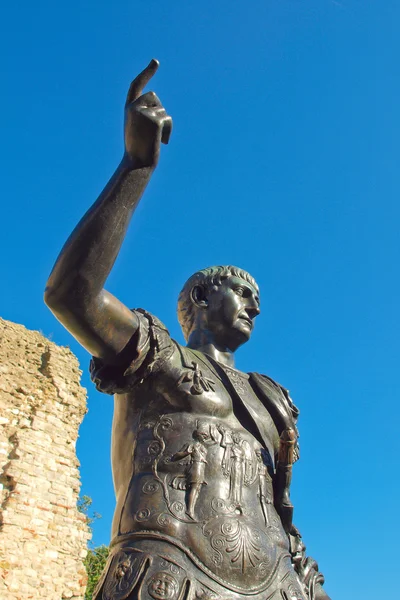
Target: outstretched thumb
{"x":166,"y":130}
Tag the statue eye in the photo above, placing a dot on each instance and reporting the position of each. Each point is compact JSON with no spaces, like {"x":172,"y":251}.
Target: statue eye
{"x":239,"y":291}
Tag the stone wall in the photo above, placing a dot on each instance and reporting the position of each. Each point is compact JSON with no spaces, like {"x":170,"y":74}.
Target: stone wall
{"x":43,"y":537}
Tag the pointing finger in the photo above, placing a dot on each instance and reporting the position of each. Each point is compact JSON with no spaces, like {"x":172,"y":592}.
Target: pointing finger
{"x":140,"y":82}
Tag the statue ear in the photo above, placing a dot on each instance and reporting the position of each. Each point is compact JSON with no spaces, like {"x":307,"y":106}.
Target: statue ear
{"x":198,"y":296}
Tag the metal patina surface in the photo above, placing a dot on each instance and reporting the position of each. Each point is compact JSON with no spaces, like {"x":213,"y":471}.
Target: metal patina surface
{"x":202,"y":453}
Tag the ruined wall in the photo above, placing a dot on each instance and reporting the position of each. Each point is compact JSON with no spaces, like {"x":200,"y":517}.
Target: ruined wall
{"x":43,"y":537}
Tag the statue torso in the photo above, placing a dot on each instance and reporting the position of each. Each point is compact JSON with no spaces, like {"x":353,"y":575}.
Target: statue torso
{"x":193,"y":460}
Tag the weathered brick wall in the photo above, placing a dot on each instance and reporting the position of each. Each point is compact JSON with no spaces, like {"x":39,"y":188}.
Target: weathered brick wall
{"x":43,"y":537}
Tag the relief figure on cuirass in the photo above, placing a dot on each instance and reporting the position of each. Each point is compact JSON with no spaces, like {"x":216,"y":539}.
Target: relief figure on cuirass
{"x":238,"y":463}
{"x":194,"y":476}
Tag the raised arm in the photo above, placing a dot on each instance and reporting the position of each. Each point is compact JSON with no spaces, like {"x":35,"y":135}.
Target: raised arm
{"x":75,"y":290}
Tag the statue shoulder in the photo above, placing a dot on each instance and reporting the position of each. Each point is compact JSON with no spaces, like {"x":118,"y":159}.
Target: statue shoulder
{"x":151,"y":320}
{"x":276,"y":399}
{"x":146,"y":353}
{"x":274,"y":383}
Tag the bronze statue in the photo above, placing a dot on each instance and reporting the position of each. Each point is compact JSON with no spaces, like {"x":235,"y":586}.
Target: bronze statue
{"x":202,"y":453}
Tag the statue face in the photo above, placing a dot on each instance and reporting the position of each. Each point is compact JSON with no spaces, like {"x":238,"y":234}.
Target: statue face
{"x":232,"y":308}
{"x":163,"y":586}
{"x":236,"y":438}
{"x":201,"y":435}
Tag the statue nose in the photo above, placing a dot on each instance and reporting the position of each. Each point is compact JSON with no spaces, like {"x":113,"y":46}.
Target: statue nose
{"x":253,"y":311}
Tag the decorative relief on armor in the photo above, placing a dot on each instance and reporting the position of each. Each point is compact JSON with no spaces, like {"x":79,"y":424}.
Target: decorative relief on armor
{"x":194,"y":477}
{"x":237,"y":379}
{"x":294,"y":592}
{"x":305,"y":566}
{"x":206,"y":594}
{"x":221,"y":507}
{"x":163,"y":586}
{"x":164,"y":520}
{"x":239,"y":463}
{"x":200,"y":383}
{"x":291,"y":590}
{"x":191,"y":481}
{"x":150,"y":487}
{"x":234,"y":539}
{"x":142,"y":515}
{"x":166,"y":564}
{"x":122,"y":578}
{"x":156,"y":448}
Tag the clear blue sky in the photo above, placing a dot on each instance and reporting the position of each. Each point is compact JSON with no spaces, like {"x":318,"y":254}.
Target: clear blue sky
{"x":283,"y":160}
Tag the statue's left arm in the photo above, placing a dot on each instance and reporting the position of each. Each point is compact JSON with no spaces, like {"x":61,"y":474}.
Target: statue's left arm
{"x":284,"y":413}
{"x":305,"y":566}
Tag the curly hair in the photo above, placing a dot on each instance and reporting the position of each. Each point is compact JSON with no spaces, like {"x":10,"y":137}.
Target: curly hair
{"x":206,"y":278}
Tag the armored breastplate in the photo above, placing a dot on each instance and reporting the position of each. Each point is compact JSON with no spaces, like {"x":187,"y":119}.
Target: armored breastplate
{"x":204,"y":484}
{"x":193,"y":453}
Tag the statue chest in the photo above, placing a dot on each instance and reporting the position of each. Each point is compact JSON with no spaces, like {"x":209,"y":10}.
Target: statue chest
{"x":206,"y":483}
{"x":199,"y":470}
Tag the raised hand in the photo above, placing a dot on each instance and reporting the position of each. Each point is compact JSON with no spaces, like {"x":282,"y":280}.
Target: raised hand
{"x":75,"y":289}
{"x":146,"y":122}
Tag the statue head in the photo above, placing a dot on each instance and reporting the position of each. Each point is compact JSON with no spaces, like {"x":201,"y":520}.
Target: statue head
{"x":221,"y":300}
{"x":163,"y":586}
{"x":202,"y":431}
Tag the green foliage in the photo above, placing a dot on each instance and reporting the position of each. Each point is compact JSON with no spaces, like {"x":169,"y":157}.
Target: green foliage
{"x":83,"y":504}
{"x":96,"y":557}
{"x":94,"y":562}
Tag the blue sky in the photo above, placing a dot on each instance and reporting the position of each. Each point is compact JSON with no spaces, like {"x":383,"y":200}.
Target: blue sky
{"x":284,"y":161}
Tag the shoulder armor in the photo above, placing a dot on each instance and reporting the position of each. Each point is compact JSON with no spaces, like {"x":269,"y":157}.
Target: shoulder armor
{"x":277,"y":401}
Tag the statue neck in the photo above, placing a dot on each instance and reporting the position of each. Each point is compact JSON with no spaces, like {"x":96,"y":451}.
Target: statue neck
{"x":204,"y":341}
